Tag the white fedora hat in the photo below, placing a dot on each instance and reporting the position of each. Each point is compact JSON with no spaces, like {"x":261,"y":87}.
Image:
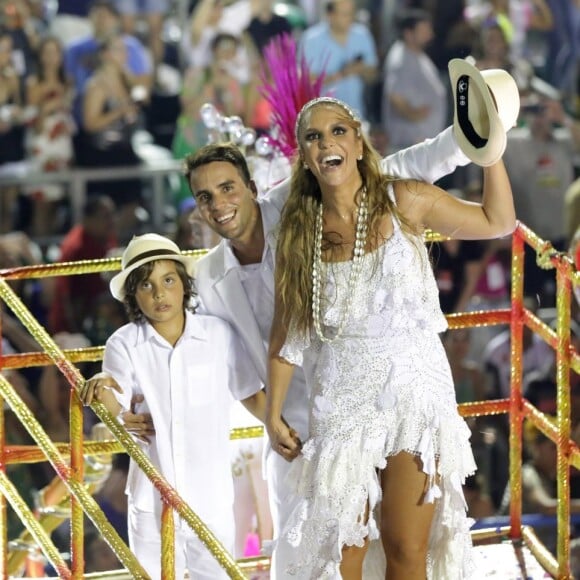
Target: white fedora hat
{"x":487,"y":104}
{"x":143,"y":249}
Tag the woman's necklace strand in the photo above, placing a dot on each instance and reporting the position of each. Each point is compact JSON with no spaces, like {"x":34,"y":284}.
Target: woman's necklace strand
{"x":355,"y":269}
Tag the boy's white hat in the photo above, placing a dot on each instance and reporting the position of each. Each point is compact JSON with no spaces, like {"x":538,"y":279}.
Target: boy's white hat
{"x":143,"y":249}
{"x":487,"y":104}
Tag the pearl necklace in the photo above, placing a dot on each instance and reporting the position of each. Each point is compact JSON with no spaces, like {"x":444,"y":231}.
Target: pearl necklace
{"x":355,"y":269}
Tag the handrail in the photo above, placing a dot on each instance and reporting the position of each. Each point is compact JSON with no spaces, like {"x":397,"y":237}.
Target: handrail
{"x":77,"y":179}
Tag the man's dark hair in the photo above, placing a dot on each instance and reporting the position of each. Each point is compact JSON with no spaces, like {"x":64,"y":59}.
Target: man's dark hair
{"x":227,"y":152}
{"x":141,"y":274}
{"x":409,"y":18}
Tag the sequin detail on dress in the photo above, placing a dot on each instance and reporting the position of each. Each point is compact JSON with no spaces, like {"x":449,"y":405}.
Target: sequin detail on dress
{"x":382,"y":387}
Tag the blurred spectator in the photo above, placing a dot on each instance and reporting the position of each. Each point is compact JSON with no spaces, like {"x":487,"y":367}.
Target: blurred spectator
{"x":345,"y":51}
{"x":82,"y":56}
{"x":112,"y":498}
{"x":458,"y":265}
{"x":183,"y":235}
{"x":572,"y":209}
{"x":11,"y":129}
{"x":54,"y":390}
{"x":515,"y":17}
{"x":106,"y":316}
{"x":153,"y":13}
{"x":561,"y":67}
{"x":110,"y":118}
{"x":266,"y":24}
{"x":92,"y":239}
{"x":216,"y":84}
{"x":49,"y":141}
{"x":16,"y":20}
{"x":537,"y":356}
{"x":492,"y":290}
{"x":495,"y":53}
{"x":539,"y":159}
{"x":210,"y":18}
{"x":470,"y":382}
{"x":71,"y":21}
{"x":453,"y":37}
{"x":17,"y":250}
{"x":21,"y":475}
{"x":99,"y":557}
{"x":192,"y":232}
{"x":415,"y":99}
{"x":539,"y":483}
{"x":479,"y":504}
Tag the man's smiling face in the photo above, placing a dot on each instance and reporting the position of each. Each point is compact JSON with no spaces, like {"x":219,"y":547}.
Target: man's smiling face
{"x":225,"y":201}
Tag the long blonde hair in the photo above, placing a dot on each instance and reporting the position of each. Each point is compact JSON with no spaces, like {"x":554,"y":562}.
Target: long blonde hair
{"x":295,"y":246}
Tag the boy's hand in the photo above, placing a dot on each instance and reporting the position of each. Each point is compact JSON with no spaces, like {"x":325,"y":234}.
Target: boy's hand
{"x":139,"y":424}
{"x":94,"y":387}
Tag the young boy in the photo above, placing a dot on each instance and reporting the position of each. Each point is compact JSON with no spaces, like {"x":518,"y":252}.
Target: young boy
{"x":186,"y":367}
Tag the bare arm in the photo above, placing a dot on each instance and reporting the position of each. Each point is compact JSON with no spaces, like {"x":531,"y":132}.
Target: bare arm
{"x":100,"y":388}
{"x":200,"y":19}
{"x":431,"y":207}
{"x":282,"y":438}
{"x":94,"y":119}
{"x":473,"y":271}
{"x":256,"y":404}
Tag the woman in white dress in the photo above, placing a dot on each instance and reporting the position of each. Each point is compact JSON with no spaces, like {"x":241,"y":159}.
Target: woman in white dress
{"x":357,"y":306}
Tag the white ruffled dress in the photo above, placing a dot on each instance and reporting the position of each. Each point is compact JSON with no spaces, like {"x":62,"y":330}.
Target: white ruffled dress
{"x":384,"y":386}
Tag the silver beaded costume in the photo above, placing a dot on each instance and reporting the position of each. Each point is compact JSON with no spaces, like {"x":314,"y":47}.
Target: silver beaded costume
{"x":382,"y":387}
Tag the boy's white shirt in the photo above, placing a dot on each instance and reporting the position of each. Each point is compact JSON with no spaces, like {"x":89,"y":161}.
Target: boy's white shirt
{"x":188,"y":389}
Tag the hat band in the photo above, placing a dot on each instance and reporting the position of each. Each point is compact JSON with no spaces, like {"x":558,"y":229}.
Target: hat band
{"x":462,"y":107}
{"x":150,"y":254}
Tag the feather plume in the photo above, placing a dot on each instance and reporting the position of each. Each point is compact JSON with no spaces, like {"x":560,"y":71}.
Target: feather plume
{"x":287,"y":85}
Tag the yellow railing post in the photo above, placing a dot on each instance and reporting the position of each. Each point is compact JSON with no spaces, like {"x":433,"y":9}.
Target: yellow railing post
{"x":3,"y":509}
{"x":563,"y":296}
{"x":167,"y":543}
{"x":77,"y":475}
{"x":515,"y":437}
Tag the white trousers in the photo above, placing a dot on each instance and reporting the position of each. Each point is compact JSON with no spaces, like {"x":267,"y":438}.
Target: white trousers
{"x":282,"y":503}
{"x":190,"y":553}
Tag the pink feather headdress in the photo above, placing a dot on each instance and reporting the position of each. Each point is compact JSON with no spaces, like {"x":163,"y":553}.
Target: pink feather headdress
{"x":287,"y":85}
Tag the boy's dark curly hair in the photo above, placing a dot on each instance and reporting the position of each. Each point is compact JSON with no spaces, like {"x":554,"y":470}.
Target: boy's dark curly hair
{"x":141,"y":274}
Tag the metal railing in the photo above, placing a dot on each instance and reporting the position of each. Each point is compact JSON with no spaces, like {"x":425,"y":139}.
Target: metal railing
{"x":516,"y":406}
{"x":77,"y":178}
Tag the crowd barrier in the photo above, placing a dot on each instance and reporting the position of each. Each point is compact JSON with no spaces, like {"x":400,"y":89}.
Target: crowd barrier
{"x":157,"y":171}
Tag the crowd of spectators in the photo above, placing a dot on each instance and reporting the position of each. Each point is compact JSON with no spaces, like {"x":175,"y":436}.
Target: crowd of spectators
{"x":76,"y":84}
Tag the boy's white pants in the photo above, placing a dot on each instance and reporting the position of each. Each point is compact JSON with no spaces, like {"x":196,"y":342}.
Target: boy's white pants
{"x":190,"y":553}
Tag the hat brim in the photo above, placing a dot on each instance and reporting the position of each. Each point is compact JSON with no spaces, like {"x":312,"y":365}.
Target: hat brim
{"x":483,"y":145}
{"x":117,"y":283}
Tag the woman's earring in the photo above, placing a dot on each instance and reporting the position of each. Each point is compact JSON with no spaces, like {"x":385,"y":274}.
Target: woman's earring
{"x":306,"y":166}
{"x":359,"y":158}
